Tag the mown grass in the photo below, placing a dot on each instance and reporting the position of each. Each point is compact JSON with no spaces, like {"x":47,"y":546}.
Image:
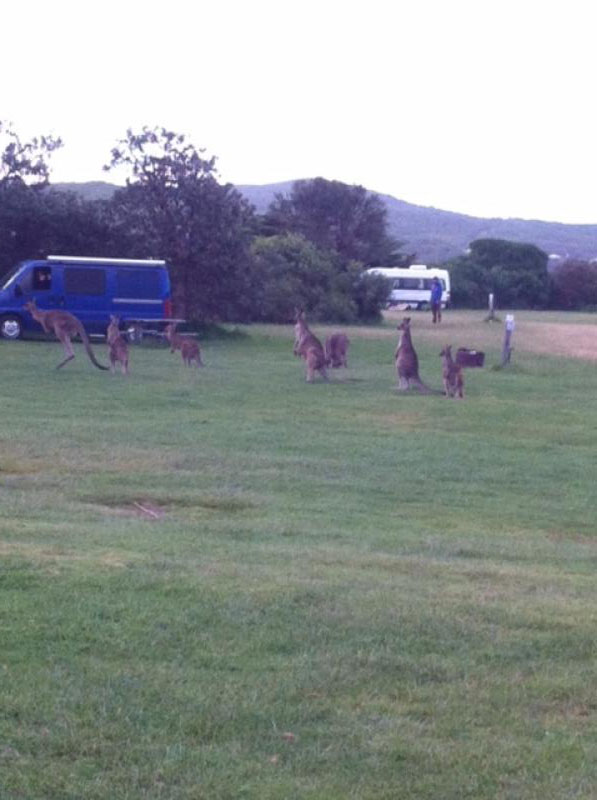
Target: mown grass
{"x":342,"y":592}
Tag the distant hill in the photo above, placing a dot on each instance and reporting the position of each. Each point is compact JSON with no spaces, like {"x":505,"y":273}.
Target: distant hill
{"x":92,"y":190}
{"x":436,"y":235}
{"x":432,"y":234}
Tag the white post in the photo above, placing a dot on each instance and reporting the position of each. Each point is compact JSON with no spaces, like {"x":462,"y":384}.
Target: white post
{"x":507,"y":347}
{"x":491,"y":306}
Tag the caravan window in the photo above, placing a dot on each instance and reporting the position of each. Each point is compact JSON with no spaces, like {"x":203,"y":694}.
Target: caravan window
{"x":79,"y":280}
{"x":408,"y":283}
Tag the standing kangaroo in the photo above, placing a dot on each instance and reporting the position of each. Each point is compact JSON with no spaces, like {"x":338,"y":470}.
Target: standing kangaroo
{"x":119,"y":349}
{"x":308,"y":347}
{"x":452,"y":374}
{"x":189,"y":348}
{"x":336,"y":350}
{"x":66,"y":326}
{"x":407,"y":362}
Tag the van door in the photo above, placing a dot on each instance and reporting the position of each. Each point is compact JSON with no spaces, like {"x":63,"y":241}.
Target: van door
{"x":85,"y":296}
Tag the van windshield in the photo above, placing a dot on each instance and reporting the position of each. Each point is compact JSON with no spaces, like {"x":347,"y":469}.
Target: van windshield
{"x":10,"y":276}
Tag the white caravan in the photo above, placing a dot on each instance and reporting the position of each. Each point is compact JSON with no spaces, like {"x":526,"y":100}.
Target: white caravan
{"x":410,"y":287}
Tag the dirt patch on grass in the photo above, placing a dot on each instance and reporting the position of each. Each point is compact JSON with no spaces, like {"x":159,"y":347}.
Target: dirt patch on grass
{"x":15,"y":465}
{"x":558,"y":339}
{"x":47,"y":555}
{"x":148,"y":510}
{"x":158,"y":507}
{"x":579,"y":538}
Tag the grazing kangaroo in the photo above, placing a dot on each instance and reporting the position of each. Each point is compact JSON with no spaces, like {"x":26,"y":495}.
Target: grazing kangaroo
{"x":66,"y":326}
{"x":452,"y":374}
{"x":119,"y":349}
{"x":189,"y":348}
{"x":308,"y":347}
{"x":407,"y":362}
{"x":336,"y":350}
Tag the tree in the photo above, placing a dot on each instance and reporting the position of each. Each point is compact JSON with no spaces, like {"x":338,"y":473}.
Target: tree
{"x":176,"y":209}
{"x":290,"y":272}
{"x":342,"y":219}
{"x":25,"y":162}
{"x":35,"y":222}
{"x":574,"y":285}
{"x":26,"y":212}
{"x":516,"y":273}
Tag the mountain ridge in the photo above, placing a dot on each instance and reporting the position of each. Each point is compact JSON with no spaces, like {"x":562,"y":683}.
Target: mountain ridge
{"x":433,"y":235}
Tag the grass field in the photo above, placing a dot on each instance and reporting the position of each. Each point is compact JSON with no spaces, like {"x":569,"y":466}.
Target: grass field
{"x":227,"y":583}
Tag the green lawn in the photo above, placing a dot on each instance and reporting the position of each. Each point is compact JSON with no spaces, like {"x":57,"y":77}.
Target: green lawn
{"x":335,"y":591}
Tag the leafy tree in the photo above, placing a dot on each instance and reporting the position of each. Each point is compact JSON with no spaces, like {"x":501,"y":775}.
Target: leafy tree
{"x":175,"y":208}
{"x":34,"y":223}
{"x":24,"y":209}
{"x":342,"y":219}
{"x":25,"y":162}
{"x":369,"y":293}
{"x":516,"y":273}
{"x":574,"y":285}
{"x":290,"y":272}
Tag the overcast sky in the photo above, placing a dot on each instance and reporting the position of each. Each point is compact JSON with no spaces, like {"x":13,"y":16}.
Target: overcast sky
{"x":486,"y":107}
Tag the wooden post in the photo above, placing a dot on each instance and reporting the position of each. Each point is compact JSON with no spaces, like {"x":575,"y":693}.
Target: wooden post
{"x":507,"y":347}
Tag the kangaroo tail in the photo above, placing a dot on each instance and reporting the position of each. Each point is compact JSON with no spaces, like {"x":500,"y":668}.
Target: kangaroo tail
{"x":90,"y":353}
{"x":423,"y":388}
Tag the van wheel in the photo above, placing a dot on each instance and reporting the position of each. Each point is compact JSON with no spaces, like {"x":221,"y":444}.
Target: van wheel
{"x":11,"y":327}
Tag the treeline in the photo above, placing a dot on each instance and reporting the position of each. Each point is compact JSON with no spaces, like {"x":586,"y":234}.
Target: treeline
{"x":310,"y":249}
{"x":518,"y":276}
{"x":228,"y":263}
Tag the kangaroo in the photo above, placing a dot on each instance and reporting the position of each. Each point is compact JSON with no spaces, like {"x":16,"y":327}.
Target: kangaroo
{"x":452,"y":374}
{"x":189,"y":348}
{"x":65,"y":325}
{"x":336,"y":350}
{"x":308,"y":347}
{"x":119,"y":349}
{"x":407,"y":362}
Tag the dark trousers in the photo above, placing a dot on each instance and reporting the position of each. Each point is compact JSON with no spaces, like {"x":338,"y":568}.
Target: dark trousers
{"x":436,"y":310}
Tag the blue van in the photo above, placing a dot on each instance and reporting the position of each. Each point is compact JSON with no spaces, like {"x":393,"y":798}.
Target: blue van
{"x":90,"y":288}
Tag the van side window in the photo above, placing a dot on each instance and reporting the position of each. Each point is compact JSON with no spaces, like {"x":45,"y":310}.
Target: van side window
{"x":410,"y":283}
{"x":138,"y":283}
{"x":41,"y":279}
{"x":84,"y":281}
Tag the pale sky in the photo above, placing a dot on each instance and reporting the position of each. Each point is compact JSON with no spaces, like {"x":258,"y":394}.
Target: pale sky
{"x":486,"y":107}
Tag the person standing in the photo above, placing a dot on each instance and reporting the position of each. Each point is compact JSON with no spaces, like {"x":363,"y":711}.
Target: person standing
{"x":436,"y":299}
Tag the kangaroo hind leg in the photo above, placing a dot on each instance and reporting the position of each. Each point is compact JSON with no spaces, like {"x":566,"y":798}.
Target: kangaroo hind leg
{"x":68,"y":348}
